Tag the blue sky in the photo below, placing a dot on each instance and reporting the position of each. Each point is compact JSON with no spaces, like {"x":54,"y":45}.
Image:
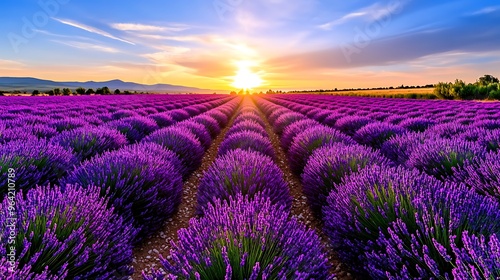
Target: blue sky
{"x":288,"y":44}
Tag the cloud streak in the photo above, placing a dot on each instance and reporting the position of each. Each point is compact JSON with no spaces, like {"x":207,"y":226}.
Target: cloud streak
{"x":91,"y":29}
{"x":148,"y":28}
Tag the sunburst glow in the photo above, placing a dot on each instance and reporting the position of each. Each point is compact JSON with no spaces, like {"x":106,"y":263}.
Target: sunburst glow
{"x":245,"y":78}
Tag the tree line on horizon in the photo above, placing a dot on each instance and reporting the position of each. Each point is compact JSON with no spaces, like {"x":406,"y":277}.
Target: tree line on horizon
{"x":80,"y":91}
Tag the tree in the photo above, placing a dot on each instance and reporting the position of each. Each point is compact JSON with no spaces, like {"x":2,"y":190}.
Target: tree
{"x":486,"y":80}
{"x":57,"y":91}
{"x":80,"y":91}
{"x":35,"y":93}
{"x":67,"y":91}
{"x":106,"y":91}
{"x":117,"y":92}
{"x":233,"y":92}
{"x":442,"y":90}
{"x":50,"y":93}
{"x":90,"y":91}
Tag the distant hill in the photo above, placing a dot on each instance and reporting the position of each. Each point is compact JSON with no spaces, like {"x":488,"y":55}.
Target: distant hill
{"x":29,"y":84}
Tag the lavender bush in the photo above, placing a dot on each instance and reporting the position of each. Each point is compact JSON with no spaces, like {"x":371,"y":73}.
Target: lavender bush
{"x":67,"y":235}
{"x":182,"y":142}
{"x":88,"y":142}
{"x":306,"y":142}
{"x":36,"y":162}
{"x":142,"y":182}
{"x":243,"y":239}
{"x":328,"y":165}
{"x":243,"y":172}
{"x":247,"y":140}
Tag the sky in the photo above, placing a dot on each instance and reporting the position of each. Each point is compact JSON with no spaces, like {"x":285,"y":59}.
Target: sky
{"x":269,"y":44}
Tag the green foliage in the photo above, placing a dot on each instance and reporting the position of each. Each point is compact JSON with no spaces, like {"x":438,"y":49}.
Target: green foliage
{"x":80,"y":91}
{"x":485,"y":87}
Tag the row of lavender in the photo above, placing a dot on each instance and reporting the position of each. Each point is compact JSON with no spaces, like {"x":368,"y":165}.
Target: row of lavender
{"x":86,"y":228}
{"x":244,"y":231}
{"x":386,"y":218}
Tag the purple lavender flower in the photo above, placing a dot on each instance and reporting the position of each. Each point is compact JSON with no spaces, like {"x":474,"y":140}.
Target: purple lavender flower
{"x":243,"y":172}
{"x":88,"y":142}
{"x":199,"y":130}
{"x":220,"y":117}
{"x":68,"y":124}
{"x":248,"y":116}
{"x":36,"y":162}
{"x":179,"y":115}
{"x":274,"y":246}
{"x":390,"y":222}
{"x":441,"y":157}
{"x":70,"y":234}
{"x":305,"y":143}
{"x":285,"y":120}
{"x":483,"y":175}
{"x":418,"y":124}
{"x":210,"y":123}
{"x":162,"y":119}
{"x":375,"y":134}
{"x":247,"y":140}
{"x":399,"y":147}
{"x":142,"y":182}
{"x":249,"y":125}
{"x":479,"y":258}
{"x":350,"y":124}
{"x":181,"y":141}
{"x":328,"y":165}
{"x":293,"y":129}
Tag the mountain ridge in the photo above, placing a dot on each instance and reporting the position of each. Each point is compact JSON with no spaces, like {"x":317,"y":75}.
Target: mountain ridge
{"x":31,"y":83}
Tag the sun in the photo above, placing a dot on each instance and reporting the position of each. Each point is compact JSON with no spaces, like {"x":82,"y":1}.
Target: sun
{"x":245,"y":78}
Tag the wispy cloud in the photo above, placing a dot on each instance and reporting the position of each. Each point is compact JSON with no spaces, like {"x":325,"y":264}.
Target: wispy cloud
{"x":149,"y":28}
{"x":371,"y":13}
{"x":329,"y":25}
{"x":10,"y":64}
{"x":487,"y":10}
{"x":87,"y":46}
{"x":91,"y":29}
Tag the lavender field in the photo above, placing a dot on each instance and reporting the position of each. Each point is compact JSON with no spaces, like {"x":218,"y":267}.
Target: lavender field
{"x":248,"y":187}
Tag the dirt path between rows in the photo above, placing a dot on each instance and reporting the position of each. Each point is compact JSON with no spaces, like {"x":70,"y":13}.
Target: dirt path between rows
{"x":300,"y":209}
{"x":146,"y":254}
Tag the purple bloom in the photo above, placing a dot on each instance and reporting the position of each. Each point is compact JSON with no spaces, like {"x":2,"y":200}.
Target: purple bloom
{"x":293,"y":129}
{"x":483,"y":175}
{"x":267,"y":237}
{"x":375,"y":134}
{"x":142,"y":182}
{"x":182,"y":142}
{"x":418,"y":124}
{"x":70,"y":234}
{"x":247,"y":140}
{"x":328,"y":165}
{"x":350,"y":124}
{"x":199,"y":131}
{"x":162,"y":119}
{"x":285,"y":120}
{"x":210,"y":123}
{"x":36,"y":162}
{"x":441,"y":157}
{"x":88,"y":142}
{"x":305,"y":143}
{"x":243,"y":172}
{"x":248,"y":125}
